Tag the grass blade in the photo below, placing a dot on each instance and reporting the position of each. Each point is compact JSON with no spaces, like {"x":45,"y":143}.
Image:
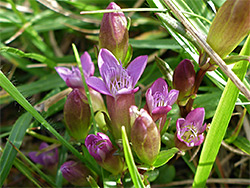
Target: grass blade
{"x":220,"y":122}
{"x":16,"y":136}
{"x":130,"y":161}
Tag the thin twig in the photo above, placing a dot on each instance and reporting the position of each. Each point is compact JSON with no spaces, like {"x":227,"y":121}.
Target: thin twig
{"x":241,"y":161}
{"x":202,"y":42}
{"x":232,"y":149}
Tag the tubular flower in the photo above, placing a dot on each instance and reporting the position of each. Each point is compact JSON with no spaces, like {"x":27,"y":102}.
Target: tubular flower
{"x":77,"y":114}
{"x":73,"y":77}
{"x":75,"y":173}
{"x":159,"y":101}
{"x":48,"y":159}
{"x":114,"y":33}
{"x":145,"y":137}
{"x":101,"y":148}
{"x":190,"y":130}
{"x":184,"y":80}
{"x":118,"y":84}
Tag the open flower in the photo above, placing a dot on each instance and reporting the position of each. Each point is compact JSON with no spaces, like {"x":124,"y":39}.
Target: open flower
{"x":48,"y":159}
{"x":159,"y":101}
{"x":190,"y":130}
{"x":101,"y":148}
{"x":115,"y":79}
{"x":73,"y":77}
{"x":118,"y":84}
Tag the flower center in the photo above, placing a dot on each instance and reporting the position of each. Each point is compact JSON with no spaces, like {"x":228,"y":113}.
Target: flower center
{"x":159,"y":99}
{"x":189,"y":133}
{"x":117,"y":79}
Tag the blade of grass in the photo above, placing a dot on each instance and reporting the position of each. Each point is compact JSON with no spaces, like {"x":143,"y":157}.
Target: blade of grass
{"x":130,"y":161}
{"x":220,"y":122}
{"x":16,"y":136}
{"x":12,"y":90}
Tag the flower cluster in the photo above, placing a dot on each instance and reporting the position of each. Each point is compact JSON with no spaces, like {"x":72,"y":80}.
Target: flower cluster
{"x":118,"y":83}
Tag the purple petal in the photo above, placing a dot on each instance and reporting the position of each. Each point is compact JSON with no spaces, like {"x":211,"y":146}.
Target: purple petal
{"x":89,"y":139}
{"x":98,"y":85}
{"x":36,"y":158}
{"x":63,"y":72}
{"x":161,"y":86}
{"x":87,"y":65}
{"x":179,"y":123}
{"x":200,"y":140}
{"x":43,"y":145}
{"x":107,"y":61}
{"x":136,"y":68}
{"x":196,"y":116}
{"x":172,"y":96}
{"x":103,"y":136}
{"x":127,"y":91}
{"x":161,"y":110}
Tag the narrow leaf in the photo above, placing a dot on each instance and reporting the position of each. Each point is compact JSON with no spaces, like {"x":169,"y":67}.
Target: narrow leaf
{"x":164,"y":156}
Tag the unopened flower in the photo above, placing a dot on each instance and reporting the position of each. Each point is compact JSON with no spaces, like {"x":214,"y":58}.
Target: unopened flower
{"x":184,"y":79}
{"x":75,"y":173}
{"x":48,"y":158}
{"x":77,"y":114}
{"x":101,"y":148}
{"x":189,"y":131}
{"x":114,"y":33}
{"x":118,"y":84}
{"x":145,"y":136}
{"x":159,"y":101}
{"x":73,"y":77}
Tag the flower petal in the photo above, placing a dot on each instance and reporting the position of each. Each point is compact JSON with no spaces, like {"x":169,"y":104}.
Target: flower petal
{"x":63,"y":72}
{"x":127,"y":91}
{"x":106,"y":61}
{"x":172,"y":96}
{"x":136,"y":68}
{"x":160,"y":86}
{"x":196,"y":116}
{"x":161,"y":110}
{"x":98,"y":85}
{"x":88,"y":66}
{"x":36,"y":158}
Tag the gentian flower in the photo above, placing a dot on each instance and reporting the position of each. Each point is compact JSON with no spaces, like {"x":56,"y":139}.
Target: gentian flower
{"x":145,"y":137}
{"x":184,"y":80}
{"x":101,"y":148}
{"x":75,"y":173}
{"x":73,"y":77}
{"x":77,"y":114}
{"x":48,"y":159}
{"x":118,"y":85}
{"x":189,"y":131}
{"x":159,"y":101}
{"x":114,"y":33}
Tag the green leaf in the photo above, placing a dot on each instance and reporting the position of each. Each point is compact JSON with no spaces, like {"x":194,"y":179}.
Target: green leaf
{"x":155,"y":44}
{"x":164,"y":156}
{"x":130,"y":161}
{"x":16,"y":137}
{"x":220,"y":122}
{"x":243,"y":144}
{"x":235,"y":58}
{"x":34,"y":56}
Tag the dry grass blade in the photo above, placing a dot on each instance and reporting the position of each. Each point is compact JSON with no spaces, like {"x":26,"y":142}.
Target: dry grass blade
{"x":54,"y":5}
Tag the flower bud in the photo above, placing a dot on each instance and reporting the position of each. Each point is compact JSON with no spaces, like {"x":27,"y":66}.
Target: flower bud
{"x":48,"y":158}
{"x":145,"y":136}
{"x":184,"y":79}
{"x":101,"y":148}
{"x":114,"y":33}
{"x":77,"y":114}
{"x":229,"y":27}
{"x":189,"y":131}
{"x":75,"y":173}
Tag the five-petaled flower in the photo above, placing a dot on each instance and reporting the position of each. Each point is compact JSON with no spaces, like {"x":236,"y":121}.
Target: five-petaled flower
{"x":190,"y":130}
{"x":159,"y":101}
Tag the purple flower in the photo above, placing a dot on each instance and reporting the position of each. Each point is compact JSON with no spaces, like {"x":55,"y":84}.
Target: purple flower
{"x":47,"y":159}
{"x":73,"y":77}
{"x":75,"y":173}
{"x":101,"y":148}
{"x":190,"y":130}
{"x":159,"y":101}
{"x":117,"y":80}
